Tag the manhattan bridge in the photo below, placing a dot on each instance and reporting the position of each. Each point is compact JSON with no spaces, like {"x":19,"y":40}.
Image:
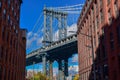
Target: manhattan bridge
{"x":61,"y":49}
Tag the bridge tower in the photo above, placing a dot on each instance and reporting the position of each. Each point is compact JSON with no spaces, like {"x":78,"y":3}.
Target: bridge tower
{"x":49,"y":14}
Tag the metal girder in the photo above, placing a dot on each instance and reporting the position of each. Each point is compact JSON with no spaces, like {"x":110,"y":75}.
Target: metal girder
{"x":49,"y":14}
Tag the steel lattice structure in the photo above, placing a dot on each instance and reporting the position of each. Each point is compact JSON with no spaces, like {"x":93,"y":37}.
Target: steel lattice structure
{"x":49,"y":14}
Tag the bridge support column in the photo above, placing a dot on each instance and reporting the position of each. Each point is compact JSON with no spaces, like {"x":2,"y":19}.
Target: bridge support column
{"x":44,"y":64}
{"x":59,"y":27}
{"x":65,"y":25}
{"x":33,"y":69}
{"x":66,"y":68}
{"x":51,"y":70}
{"x":60,"y":71}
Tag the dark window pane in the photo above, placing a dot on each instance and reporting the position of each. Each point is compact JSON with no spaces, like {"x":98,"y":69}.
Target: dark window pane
{"x":118,"y":33}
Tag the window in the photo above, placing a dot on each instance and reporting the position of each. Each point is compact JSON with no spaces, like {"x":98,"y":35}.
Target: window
{"x":96,"y":6}
{"x":9,"y":3}
{"x":104,"y":55}
{"x":101,"y":3}
{"x":7,"y":36}
{"x":92,"y":10}
{"x":0,"y":72}
{"x":98,"y":38}
{"x":18,"y":7}
{"x":119,"y":60}
{"x":12,"y":9}
{"x":105,"y":71}
{"x":6,"y":58}
{"x":14,"y":27}
{"x":103,"y":31}
{"x":14,"y":44}
{"x":17,"y":19}
{"x":11,"y":42}
{"x":111,"y":41}
{"x":0,"y":52}
{"x":97,"y":23}
{"x":108,"y":1}
{"x":98,"y":54}
{"x":16,"y":31}
{"x":101,"y":15}
{"x":3,"y":31}
{"x":9,"y":74}
{"x":14,"y":14}
{"x":11,"y":22}
{"x":0,"y":7}
{"x":109,"y":16}
{"x":116,"y":9}
{"x":4,"y":73}
{"x":8,"y":18}
{"x":5,"y":54}
{"x":95,"y":41}
{"x":4,"y":13}
{"x":99,"y":73}
{"x":118,"y":33}
{"x":10,"y":58}
{"x":103,"y":34}
{"x":0,"y":4}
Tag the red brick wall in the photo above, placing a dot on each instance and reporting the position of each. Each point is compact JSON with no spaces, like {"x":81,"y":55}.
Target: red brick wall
{"x":12,"y":46}
{"x":95,"y":20}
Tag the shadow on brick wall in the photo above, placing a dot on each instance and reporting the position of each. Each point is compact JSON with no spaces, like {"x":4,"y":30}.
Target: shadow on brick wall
{"x":109,"y":43}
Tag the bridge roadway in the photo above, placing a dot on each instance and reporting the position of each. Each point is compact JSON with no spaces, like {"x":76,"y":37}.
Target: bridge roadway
{"x":60,"y":51}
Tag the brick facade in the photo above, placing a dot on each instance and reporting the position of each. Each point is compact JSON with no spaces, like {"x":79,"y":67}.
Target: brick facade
{"x":100,"y":22}
{"x":12,"y":41}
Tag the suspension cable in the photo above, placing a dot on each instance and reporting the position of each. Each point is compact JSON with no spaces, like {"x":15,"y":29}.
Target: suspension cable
{"x":39,"y":28}
{"x":74,"y":9}
{"x":37,"y":22}
{"x":69,"y":6}
{"x":70,"y":9}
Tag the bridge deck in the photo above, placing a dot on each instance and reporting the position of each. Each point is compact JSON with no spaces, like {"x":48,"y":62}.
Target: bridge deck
{"x":59,"y":49}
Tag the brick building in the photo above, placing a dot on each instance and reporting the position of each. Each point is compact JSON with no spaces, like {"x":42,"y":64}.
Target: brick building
{"x":12,"y":41}
{"x":99,"y":40}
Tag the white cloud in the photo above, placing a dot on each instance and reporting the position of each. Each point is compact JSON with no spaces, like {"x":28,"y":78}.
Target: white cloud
{"x":75,"y":58}
{"x":31,"y":37}
{"x":55,"y":71}
{"x":72,"y":28}
{"x":73,"y":69}
{"x":55,"y":36}
{"x":29,"y":34}
{"x":39,"y":40}
{"x":35,"y":70}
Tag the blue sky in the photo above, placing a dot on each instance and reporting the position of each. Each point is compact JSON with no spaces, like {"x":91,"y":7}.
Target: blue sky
{"x":31,"y":10}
